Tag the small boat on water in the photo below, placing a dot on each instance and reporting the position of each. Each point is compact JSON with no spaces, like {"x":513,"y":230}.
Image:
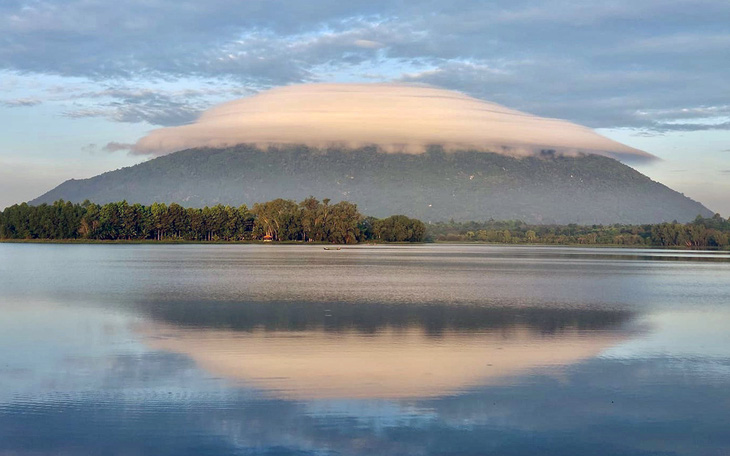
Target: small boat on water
{"x":333,"y":248}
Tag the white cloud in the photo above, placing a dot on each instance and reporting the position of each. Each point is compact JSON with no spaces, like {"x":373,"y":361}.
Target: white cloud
{"x":396,"y":117}
{"x":368,"y":44}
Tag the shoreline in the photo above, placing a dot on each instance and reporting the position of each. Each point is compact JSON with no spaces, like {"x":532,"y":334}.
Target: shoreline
{"x":258,"y":242}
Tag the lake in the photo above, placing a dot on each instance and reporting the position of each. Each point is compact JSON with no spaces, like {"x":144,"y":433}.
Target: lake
{"x":370,"y":350}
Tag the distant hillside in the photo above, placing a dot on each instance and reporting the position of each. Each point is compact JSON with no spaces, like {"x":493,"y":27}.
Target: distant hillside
{"x":432,"y":186}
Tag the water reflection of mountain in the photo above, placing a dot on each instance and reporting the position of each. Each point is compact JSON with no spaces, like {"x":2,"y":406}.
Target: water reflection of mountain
{"x":370,"y":318}
{"x":306,"y":350}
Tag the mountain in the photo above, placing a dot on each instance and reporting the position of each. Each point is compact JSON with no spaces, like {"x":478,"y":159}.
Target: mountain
{"x":433,"y":186}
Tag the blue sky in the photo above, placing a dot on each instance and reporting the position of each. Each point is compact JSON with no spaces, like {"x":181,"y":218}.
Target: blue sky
{"x":81,"y":78}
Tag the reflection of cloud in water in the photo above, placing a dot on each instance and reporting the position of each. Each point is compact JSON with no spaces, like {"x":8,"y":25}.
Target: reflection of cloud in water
{"x":396,"y":358}
{"x":686,"y":334}
{"x":388,"y":364}
{"x":601,"y":408}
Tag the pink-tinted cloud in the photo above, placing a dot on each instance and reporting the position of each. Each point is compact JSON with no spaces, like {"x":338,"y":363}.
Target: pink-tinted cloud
{"x":395,"y":117}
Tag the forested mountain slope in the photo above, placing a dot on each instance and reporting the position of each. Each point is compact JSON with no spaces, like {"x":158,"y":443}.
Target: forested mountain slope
{"x":432,"y":186}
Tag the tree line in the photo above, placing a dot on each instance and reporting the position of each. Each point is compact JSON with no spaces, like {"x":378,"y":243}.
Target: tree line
{"x":319,"y":221}
{"x":710,"y":232}
{"x":277,"y":220}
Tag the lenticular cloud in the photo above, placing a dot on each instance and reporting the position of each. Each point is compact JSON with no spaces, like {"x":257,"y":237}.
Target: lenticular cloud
{"x":394,"y":117}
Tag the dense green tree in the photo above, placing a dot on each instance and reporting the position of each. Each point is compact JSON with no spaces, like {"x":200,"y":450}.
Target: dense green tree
{"x":342,"y":226}
{"x":158,"y":213}
{"x":710,"y":232}
{"x":399,"y":228}
{"x":309,"y":217}
{"x":312,"y":220}
{"x":279,"y":219}
{"x":197,"y":224}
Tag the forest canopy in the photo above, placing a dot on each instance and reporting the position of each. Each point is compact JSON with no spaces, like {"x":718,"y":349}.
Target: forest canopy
{"x":277,"y":220}
{"x":702,"y":232}
{"x":320,"y":221}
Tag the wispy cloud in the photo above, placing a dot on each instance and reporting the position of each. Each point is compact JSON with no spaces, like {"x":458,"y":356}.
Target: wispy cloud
{"x":20,"y":102}
{"x":156,"y":107}
{"x":174,"y":113}
{"x":664,"y":127}
{"x":587,"y":63}
{"x":117,"y":146}
{"x":90,"y":148}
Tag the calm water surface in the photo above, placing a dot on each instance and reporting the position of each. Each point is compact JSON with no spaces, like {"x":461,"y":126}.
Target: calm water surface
{"x":294,"y":350}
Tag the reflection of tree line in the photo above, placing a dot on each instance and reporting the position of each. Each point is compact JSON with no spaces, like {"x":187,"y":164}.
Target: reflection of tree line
{"x":277,"y":220}
{"x":434,"y":319}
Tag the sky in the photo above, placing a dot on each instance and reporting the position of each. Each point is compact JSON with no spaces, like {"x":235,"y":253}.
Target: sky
{"x":81,"y":80}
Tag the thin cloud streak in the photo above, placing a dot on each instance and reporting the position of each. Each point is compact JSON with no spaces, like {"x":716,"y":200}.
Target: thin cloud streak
{"x":117,"y":146}
{"x":21,"y":102}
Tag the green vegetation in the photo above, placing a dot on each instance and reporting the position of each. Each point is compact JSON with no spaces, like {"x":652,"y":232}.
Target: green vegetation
{"x":319,"y":221}
{"x":277,"y":220}
{"x":711,"y":232}
{"x":433,"y":186}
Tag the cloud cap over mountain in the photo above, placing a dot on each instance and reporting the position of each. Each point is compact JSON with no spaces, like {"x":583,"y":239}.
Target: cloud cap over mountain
{"x":395,"y":117}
